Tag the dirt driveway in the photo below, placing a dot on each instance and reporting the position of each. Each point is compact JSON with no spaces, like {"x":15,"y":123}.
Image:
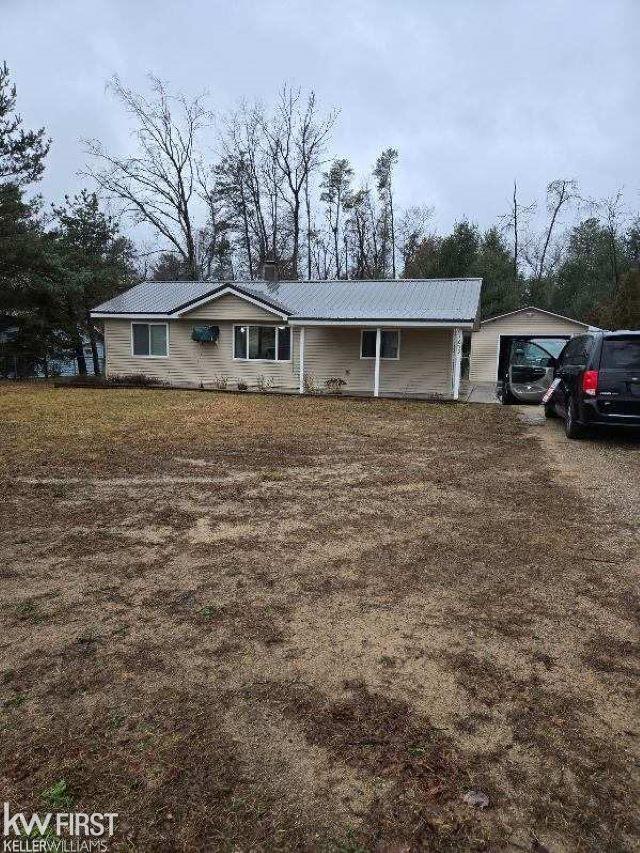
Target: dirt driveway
{"x":259,"y":622}
{"x":605,"y":466}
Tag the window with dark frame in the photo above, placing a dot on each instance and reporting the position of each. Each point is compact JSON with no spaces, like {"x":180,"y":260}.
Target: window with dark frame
{"x":389,"y":344}
{"x":262,"y":343}
{"x":149,"y":339}
{"x":576,"y":352}
{"x":620,"y":354}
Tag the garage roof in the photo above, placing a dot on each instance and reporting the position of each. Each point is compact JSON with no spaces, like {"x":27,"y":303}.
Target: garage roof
{"x":427,"y":300}
{"x":538,"y":311}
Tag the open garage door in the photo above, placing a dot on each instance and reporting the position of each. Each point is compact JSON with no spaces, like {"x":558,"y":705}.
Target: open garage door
{"x":526,"y":365}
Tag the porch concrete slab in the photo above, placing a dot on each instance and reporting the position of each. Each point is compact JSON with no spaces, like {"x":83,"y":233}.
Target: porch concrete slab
{"x":478,"y":392}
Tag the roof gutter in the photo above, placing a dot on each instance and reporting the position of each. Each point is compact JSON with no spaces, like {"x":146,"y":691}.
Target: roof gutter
{"x":384,"y":321}
{"x":301,"y":321}
{"x":146,"y":315}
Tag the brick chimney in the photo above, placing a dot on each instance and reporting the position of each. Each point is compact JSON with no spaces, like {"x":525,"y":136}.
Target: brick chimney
{"x":270,"y":269}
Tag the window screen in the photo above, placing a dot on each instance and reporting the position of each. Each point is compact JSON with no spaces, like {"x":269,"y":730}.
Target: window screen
{"x":157,"y":340}
{"x":389,"y":343}
{"x":368,"y":344}
{"x":140,"y":339}
{"x":284,"y":343}
{"x":262,"y":343}
{"x":240,"y":342}
{"x":149,"y":338}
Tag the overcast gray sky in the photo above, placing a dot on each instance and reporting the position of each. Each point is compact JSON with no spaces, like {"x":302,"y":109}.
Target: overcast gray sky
{"x":473,"y":93}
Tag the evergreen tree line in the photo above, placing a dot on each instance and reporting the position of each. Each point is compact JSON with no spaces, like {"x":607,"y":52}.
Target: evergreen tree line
{"x":219,"y":200}
{"x":55,"y":264}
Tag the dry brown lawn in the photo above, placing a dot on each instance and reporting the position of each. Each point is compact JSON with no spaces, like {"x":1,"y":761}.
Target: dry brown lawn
{"x":271,"y":623}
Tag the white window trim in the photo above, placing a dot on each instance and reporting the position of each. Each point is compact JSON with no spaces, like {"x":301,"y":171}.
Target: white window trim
{"x":275,"y":360}
{"x":148,"y":323}
{"x":382,"y":358}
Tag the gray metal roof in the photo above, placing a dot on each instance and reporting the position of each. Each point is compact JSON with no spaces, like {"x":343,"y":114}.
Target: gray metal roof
{"x":155,"y":297}
{"x":435,"y":299}
{"x":531,"y":308}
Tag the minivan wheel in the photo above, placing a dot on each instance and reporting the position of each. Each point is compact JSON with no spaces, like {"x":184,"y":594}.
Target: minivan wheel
{"x":572,"y":427}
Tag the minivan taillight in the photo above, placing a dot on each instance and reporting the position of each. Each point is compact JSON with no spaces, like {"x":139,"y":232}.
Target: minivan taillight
{"x":590,"y":382}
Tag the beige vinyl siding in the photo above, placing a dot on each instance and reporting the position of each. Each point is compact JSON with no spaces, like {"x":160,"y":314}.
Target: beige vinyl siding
{"x":189,"y":362}
{"x":229,"y":307}
{"x":484,"y":343}
{"x":424,"y":366}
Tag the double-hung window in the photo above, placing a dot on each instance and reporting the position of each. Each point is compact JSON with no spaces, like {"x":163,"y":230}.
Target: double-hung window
{"x":149,"y":339}
{"x":262,"y":343}
{"x":389,"y":344}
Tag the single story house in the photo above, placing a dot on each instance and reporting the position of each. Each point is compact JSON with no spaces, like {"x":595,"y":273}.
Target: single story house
{"x":489,"y":342}
{"x":401,"y":337}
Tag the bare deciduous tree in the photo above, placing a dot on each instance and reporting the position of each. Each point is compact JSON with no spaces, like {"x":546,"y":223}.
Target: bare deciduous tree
{"x":517,"y":221}
{"x":295,"y":136}
{"x":157,"y":185}
{"x":560,"y":193}
{"x":612,"y":212}
{"x":249,"y":185}
{"x":411,"y":230}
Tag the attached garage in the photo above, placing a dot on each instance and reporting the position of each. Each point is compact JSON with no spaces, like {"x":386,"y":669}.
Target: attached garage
{"x":525,"y":322}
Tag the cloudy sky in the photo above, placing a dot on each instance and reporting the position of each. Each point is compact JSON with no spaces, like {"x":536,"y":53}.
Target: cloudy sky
{"x":473,"y":93}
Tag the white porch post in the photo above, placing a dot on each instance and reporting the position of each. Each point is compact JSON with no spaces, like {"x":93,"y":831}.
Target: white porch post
{"x":376,"y":375}
{"x":302,"y":359}
{"x":456,"y":362}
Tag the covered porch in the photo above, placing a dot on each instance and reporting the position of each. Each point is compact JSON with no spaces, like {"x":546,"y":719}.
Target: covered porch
{"x":418,"y":360}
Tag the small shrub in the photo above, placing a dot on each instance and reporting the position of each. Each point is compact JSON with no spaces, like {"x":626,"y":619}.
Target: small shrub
{"x":141,"y":379}
{"x":242,"y":386}
{"x":335,"y":384}
{"x":274,"y":475}
{"x":221,"y":383}
{"x":28,"y":610}
{"x":16,"y":701}
{"x":309,"y":384}
{"x":58,"y":796}
{"x":264,"y":383}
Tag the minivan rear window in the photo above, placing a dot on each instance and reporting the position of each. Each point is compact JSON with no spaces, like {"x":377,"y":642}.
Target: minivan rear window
{"x":620,"y":354}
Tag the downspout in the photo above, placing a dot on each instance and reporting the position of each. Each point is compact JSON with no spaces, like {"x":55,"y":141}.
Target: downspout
{"x":456,"y":362}
{"x":301,"y":360}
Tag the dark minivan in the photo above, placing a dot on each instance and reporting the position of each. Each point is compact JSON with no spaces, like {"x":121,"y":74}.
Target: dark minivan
{"x":597,"y":382}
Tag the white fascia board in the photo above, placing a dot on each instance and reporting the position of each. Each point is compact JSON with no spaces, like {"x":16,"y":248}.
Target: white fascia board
{"x":388,"y":324}
{"x":233,"y":292}
{"x":107,"y":315}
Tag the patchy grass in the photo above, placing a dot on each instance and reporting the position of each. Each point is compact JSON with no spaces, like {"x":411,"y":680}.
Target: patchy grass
{"x":271,"y":623}
{"x":57,"y":796}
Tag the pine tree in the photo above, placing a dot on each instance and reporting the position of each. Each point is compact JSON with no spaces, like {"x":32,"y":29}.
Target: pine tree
{"x":93,"y":262}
